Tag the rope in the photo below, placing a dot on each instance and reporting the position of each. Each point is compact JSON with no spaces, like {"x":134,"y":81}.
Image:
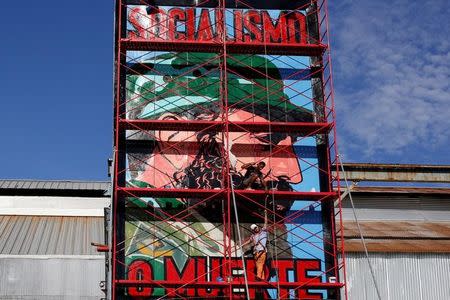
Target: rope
{"x":229,"y":152}
{"x":239,"y":237}
{"x":270,"y":165}
{"x":359,"y":229}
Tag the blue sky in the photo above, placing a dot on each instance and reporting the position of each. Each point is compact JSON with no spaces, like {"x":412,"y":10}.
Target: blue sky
{"x":391,"y":72}
{"x":56,"y":89}
{"x":392,"y":80}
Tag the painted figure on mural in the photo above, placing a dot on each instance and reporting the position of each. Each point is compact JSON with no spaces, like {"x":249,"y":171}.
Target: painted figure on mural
{"x":184,"y":159}
{"x":253,"y":177}
{"x":195,"y":96}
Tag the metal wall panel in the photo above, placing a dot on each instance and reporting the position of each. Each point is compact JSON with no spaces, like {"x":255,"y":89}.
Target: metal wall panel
{"x":405,"y":276}
{"x":399,"y":207}
{"x":51,"y":277}
{"x":44,"y":235}
{"x":53,"y":206}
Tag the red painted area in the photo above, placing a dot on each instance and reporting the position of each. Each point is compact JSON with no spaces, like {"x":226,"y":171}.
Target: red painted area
{"x":140,"y":270}
{"x":202,"y":25}
{"x":187,"y":274}
{"x":301,"y":272}
{"x":196,"y":279}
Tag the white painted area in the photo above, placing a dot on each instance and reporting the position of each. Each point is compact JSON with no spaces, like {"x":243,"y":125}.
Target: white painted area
{"x":52,"y":206}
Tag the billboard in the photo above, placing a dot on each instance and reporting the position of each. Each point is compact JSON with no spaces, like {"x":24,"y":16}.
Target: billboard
{"x":198,"y":238}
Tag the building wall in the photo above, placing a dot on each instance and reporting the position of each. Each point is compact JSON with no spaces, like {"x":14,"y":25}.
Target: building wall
{"x":380,"y":207}
{"x":53,"y":206}
{"x":45,"y":242}
{"x":45,"y":250}
{"x":400,"y":276}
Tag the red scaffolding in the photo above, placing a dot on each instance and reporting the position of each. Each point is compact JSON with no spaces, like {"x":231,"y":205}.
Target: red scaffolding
{"x":201,"y":89}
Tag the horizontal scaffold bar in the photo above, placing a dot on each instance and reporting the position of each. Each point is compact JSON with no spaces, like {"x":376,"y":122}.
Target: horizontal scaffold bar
{"x":287,"y":195}
{"x":170,"y":193}
{"x":242,"y":284}
{"x":213,"y":193}
{"x":301,"y":128}
{"x":256,"y":4}
{"x":232,"y":47}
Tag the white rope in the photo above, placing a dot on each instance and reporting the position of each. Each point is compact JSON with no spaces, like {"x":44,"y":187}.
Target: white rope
{"x":359,"y":228}
{"x":253,"y":92}
{"x":270,"y":166}
{"x":235,"y":160}
{"x":239,"y":237}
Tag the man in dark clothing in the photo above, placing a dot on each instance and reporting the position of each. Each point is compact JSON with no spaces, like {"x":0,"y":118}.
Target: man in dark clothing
{"x":253,"y":177}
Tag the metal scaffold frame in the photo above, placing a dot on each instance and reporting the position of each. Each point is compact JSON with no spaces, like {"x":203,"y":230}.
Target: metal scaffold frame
{"x":220,"y":86}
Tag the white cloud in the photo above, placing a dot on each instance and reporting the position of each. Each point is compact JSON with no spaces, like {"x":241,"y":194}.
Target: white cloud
{"x":392,"y":75}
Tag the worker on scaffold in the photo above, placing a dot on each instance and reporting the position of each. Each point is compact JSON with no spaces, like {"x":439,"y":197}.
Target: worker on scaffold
{"x":259,"y":241}
{"x":254,"y":178}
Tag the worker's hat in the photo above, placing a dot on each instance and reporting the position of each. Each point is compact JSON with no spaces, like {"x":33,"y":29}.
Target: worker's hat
{"x":253,"y":227}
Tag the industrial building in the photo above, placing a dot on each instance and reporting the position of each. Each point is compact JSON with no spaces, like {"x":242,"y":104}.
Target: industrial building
{"x":47,"y":227}
{"x":405,"y":225}
{"x":226,"y":179}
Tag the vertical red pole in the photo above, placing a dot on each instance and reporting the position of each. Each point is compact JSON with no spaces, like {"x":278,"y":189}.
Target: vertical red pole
{"x":337,"y":160}
{"x":224,"y":84}
{"x":116,"y":144}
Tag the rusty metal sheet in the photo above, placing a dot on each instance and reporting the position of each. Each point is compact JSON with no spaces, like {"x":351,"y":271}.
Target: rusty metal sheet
{"x":396,"y":172}
{"x":6,"y":184}
{"x":398,"y":246}
{"x":403,"y":229}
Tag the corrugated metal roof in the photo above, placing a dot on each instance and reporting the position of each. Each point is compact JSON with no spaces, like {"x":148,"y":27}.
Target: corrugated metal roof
{"x":47,"y":235}
{"x":53,"y":184}
{"x":400,"y":190}
{"x":54,"y":188}
{"x":381,"y":201}
{"x":396,"y":219}
{"x":404,"y":229}
{"x":379,"y":206}
{"x":414,"y":167}
{"x":390,"y":245}
{"x":395,"y":236}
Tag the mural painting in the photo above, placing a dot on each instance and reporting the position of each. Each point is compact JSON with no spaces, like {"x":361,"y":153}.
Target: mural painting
{"x":185,"y":238}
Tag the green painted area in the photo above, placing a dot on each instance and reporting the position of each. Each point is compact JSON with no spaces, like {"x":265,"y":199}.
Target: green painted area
{"x":261,"y":85}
